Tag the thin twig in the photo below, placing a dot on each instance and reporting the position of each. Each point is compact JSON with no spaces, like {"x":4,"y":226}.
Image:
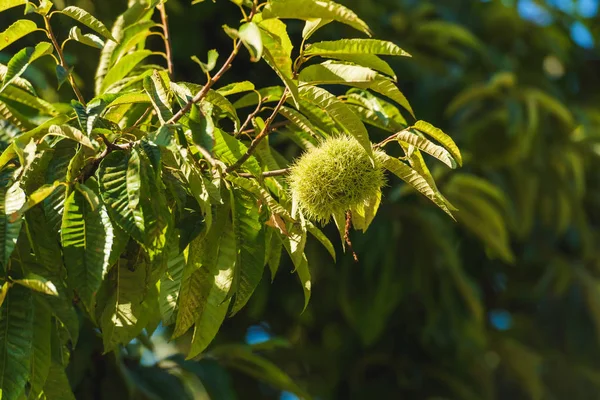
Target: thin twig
{"x":273,"y":127}
{"x":243,"y":129}
{"x":204,"y":91}
{"x":390,"y":138}
{"x":165,"y":26}
{"x":347,"y":234}
{"x":267,"y":174}
{"x":61,"y":56}
{"x":263,"y":133}
{"x":206,"y":154}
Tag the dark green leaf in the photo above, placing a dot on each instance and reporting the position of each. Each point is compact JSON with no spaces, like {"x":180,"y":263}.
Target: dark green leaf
{"x":16,"y":341}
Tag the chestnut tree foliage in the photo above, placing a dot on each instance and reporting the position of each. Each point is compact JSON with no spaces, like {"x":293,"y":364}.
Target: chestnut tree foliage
{"x":160,"y":201}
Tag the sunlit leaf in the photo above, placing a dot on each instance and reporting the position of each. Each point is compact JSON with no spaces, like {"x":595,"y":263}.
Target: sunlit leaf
{"x":88,"y":39}
{"x":82,"y":16}
{"x":20,"y":61}
{"x":16,"y":31}
{"x":250,"y":36}
{"x":310,"y":9}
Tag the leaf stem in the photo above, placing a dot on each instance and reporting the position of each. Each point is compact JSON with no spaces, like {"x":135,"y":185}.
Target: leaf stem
{"x":267,"y":174}
{"x":263,"y":133}
{"x":61,"y":56}
{"x":390,"y":138}
{"x":167,"y":38}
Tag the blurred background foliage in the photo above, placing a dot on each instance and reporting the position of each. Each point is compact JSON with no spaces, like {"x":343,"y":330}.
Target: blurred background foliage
{"x":504,"y":304}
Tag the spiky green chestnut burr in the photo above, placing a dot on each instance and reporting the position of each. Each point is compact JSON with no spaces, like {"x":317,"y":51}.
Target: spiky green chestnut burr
{"x":334,"y":177}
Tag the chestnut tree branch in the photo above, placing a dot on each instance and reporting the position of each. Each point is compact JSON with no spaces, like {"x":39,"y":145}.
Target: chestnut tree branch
{"x":61,"y":57}
{"x":167,"y":38}
{"x":204,"y":91}
{"x":263,"y":133}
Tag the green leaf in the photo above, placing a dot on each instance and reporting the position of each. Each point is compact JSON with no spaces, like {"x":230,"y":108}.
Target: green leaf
{"x":428,"y":147}
{"x":157,"y":88}
{"x":4,"y":292}
{"x":16,"y":338}
{"x":186,"y":92}
{"x":88,"y":39}
{"x":363,"y":214}
{"x":236,"y":87}
{"x":135,"y":97}
{"x":42,"y":9}
{"x":130,"y":37}
{"x":211,"y":63}
{"x":250,"y":242}
{"x":333,"y":73}
{"x":6,"y":4}
{"x":18,"y":95}
{"x":123,"y":67}
{"x":134,"y":199}
{"x":87,"y":242}
{"x":62,"y":74}
{"x":289,"y":83}
{"x":18,"y":82}
{"x":277,"y":53}
{"x":339,"y":112}
{"x":170,"y":284}
{"x":20,"y":61}
{"x":312,"y":25}
{"x":64,"y":151}
{"x":242,"y":358}
{"x":365,"y":60}
{"x":300,"y":121}
{"x":11,"y":200}
{"x":551,"y":104}
{"x":250,"y":36}
{"x":41,"y":352}
{"x":129,"y":307}
{"x":217,"y":277}
{"x":217,"y":254}
{"x":57,"y":384}
{"x":268,"y":94}
{"x":294,"y":244}
{"x":120,"y":184}
{"x":351,"y":47}
{"x":230,"y":149}
{"x":37,"y":283}
{"x":418,"y":182}
{"x":82,"y":16}
{"x":310,"y":9}
{"x":16,"y":31}
{"x":69,"y":132}
{"x":441,"y":137}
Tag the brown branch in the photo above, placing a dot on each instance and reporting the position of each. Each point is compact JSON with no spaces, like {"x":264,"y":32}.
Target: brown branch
{"x":347,"y":234}
{"x":267,"y":174}
{"x":165,"y":25}
{"x":61,"y":56}
{"x":263,"y":133}
{"x":204,"y":91}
